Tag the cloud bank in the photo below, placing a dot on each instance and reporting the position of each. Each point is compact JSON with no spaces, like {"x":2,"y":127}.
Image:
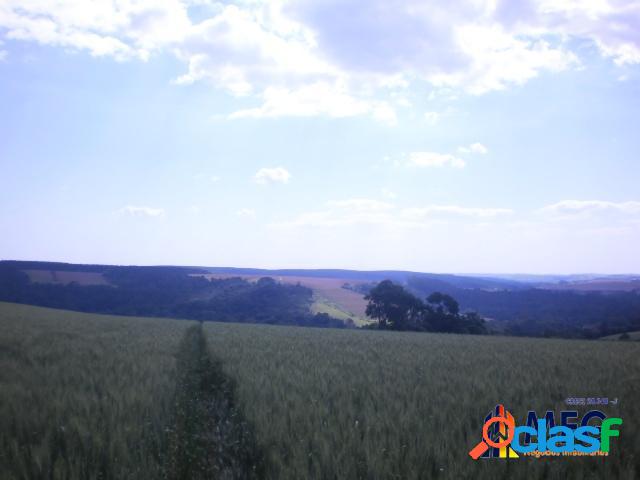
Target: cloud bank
{"x":338,"y":58}
{"x":368,"y":211}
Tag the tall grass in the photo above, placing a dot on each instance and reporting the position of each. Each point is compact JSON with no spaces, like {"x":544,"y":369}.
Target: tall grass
{"x":382,"y":405}
{"x":84,"y":396}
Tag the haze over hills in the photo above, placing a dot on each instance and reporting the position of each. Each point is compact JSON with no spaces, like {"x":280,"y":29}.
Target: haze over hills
{"x":470,"y":280}
{"x":568,"y":306}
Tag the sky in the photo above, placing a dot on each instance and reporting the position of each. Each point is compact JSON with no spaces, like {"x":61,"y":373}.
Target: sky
{"x":479,"y":136}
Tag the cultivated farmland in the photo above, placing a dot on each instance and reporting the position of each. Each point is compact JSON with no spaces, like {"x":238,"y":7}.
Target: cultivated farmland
{"x":329,"y":296}
{"x":63,"y":277}
{"x":90,"y":396}
{"x":363,"y":404}
{"x":85,"y":396}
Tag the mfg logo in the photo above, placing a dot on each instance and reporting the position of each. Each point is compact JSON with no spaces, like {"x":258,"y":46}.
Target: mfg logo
{"x":501,"y":438}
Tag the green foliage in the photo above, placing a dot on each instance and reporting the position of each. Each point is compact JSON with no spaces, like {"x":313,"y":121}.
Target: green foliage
{"x":397,"y":309}
{"x":443,"y":303}
{"x":394,"y":307}
{"x":171,"y":292}
{"x":540,"y":312}
{"x":84,"y":396}
{"x":237,"y":300}
{"x":382,"y":405}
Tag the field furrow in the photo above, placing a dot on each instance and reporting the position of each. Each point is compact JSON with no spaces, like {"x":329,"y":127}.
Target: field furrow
{"x":210,"y":438}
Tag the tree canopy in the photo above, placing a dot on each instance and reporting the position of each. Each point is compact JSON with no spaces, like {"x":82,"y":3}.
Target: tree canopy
{"x":395,"y":308}
{"x":171,"y":292}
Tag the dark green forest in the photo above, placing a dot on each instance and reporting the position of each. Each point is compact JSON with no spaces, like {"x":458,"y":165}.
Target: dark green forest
{"x":170,"y":292}
{"x":541,"y":312}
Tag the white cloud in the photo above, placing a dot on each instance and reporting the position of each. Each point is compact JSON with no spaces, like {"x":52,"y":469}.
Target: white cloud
{"x":366,"y":211}
{"x":272,"y":175}
{"x":591,"y":207}
{"x":612,"y":25}
{"x":432,"y":210}
{"x":401,"y":100}
{"x":124,"y":29}
{"x":246,"y":213}
{"x":320,"y":98}
{"x":253,"y":47}
{"x":351,"y":211}
{"x":499,"y":59}
{"x":474,"y":148}
{"x":361,"y":205}
{"x":433,"y":159}
{"x":337,"y":57}
{"x":141,"y":211}
{"x":439,"y":160}
{"x":214,"y":179}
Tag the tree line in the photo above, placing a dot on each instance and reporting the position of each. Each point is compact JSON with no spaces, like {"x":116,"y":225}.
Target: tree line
{"x":549,"y":313}
{"x":395,"y":308}
{"x":171,"y":292}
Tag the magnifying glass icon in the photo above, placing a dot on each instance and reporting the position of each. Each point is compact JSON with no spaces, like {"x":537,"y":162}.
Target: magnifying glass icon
{"x":487,"y":442}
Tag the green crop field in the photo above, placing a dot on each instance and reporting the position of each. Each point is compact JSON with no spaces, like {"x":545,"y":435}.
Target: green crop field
{"x":367,"y":404}
{"x":90,"y":396}
{"x":322,"y":305}
{"x":84,"y":396}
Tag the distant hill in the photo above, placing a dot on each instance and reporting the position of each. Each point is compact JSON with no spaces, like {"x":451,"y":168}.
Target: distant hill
{"x":81,"y":267}
{"x":481,"y":281}
{"x":179,"y":292}
{"x":573,"y":306}
{"x":597,"y":285}
{"x":567,"y":282}
{"x":400,"y":276}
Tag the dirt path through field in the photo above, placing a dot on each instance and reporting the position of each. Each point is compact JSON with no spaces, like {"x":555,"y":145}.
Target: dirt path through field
{"x":209,"y":437}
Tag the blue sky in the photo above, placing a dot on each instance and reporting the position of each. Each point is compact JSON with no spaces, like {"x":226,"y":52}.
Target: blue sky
{"x":490,"y":137}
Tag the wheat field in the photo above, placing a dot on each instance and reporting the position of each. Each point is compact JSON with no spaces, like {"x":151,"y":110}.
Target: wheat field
{"x":381,"y":405}
{"x":99,"y":397}
{"x":84,"y":396}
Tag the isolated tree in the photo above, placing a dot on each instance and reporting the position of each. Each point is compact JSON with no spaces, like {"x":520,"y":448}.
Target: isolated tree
{"x":394,"y":307}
